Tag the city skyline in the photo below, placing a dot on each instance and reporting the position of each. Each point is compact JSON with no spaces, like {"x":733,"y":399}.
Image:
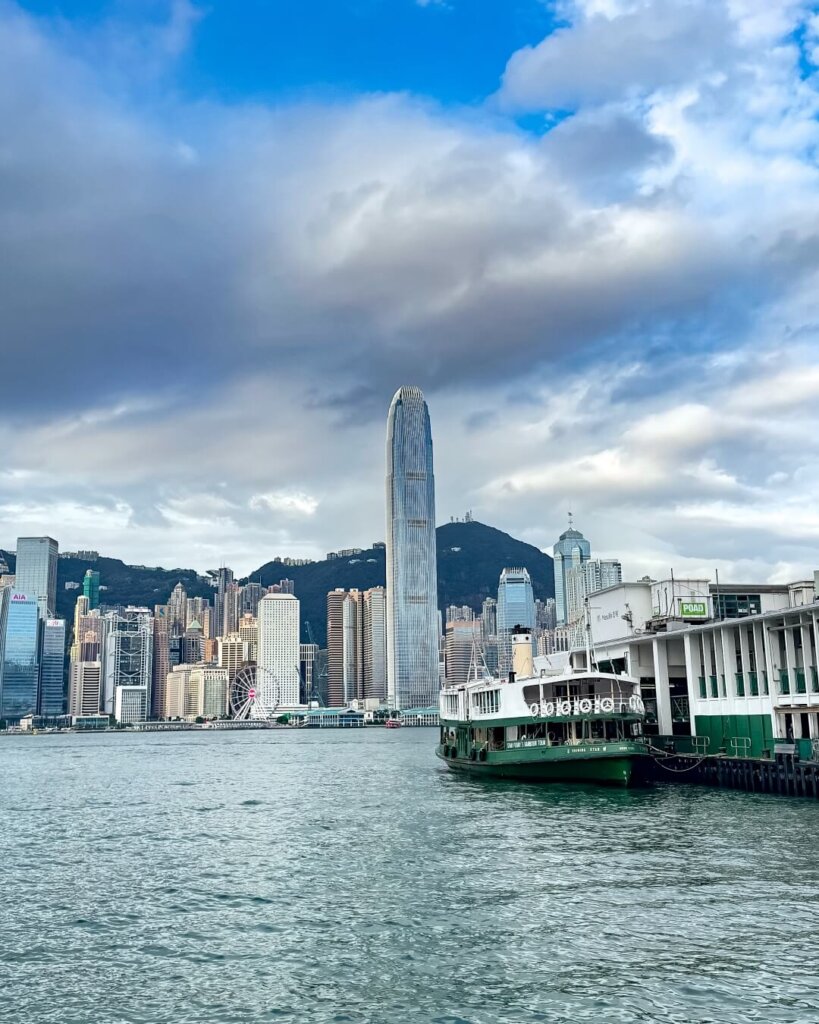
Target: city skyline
{"x":603,"y":283}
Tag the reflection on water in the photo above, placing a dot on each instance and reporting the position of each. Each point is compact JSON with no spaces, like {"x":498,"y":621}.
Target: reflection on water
{"x":347,"y":876}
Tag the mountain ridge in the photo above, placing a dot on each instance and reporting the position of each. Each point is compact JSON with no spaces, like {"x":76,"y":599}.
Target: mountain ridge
{"x":471,"y":556}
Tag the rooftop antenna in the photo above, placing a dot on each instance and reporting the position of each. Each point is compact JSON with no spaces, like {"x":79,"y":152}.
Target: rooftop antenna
{"x":571,"y":520}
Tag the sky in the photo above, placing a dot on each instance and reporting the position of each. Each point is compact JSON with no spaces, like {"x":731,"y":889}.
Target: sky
{"x":588,"y":229}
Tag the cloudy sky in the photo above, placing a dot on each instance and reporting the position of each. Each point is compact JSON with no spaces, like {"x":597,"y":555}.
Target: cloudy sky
{"x":589,"y":230}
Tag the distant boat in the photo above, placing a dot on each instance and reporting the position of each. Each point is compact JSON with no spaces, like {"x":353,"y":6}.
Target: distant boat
{"x":392,"y":723}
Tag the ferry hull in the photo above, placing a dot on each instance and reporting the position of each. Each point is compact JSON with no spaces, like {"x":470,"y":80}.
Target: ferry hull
{"x":615,"y":770}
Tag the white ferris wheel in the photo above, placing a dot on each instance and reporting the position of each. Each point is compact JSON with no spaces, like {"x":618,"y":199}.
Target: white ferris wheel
{"x":255,"y":694}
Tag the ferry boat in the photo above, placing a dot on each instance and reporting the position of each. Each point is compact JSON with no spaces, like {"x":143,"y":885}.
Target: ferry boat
{"x":537,"y":725}
{"x":392,"y":723}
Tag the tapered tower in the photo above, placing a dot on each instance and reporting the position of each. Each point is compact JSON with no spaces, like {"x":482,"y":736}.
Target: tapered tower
{"x":412,"y":579}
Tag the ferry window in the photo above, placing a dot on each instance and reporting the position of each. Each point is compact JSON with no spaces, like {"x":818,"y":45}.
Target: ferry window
{"x":487,"y":702}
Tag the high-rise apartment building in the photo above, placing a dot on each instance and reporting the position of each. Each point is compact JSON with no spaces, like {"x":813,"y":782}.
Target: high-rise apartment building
{"x":345,"y":646}
{"x":91,"y":588}
{"x":251,"y":595}
{"x":19,"y":649}
{"x":278,"y":654}
{"x":412,"y":580}
{"x":516,"y":607}
{"x":375,"y":643}
{"x":199,"y":608}
{"x":128,"y":664}
{"x":335,"y":647}
{"x":571,"y":550}
{"x":459,"y":613}
{"x":587,"y":578}
{"x":51,"y":701}
{"x":36,"y":572}
{"x":463,"y":644}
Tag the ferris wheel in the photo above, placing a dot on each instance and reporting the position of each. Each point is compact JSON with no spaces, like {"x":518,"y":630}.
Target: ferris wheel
{"x":254,"y":694}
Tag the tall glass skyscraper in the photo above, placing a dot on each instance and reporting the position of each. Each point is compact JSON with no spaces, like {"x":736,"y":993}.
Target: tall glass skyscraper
{"x":19,"y":642}
{"x":516,"y":607}
{"x":91,"y":588}
{"x":52,"y":668}
{"x":36,"y":571}
{"x":412,"y":578}
{"x":571,"y":550}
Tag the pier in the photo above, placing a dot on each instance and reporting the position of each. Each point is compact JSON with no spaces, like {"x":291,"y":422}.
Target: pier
{"x":784,"y":774}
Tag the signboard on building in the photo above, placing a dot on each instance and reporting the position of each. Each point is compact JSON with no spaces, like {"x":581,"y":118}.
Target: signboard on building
{"x":694,"y":609}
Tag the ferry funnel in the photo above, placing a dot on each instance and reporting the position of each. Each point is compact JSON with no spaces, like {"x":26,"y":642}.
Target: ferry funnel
{"x":522,"y":664}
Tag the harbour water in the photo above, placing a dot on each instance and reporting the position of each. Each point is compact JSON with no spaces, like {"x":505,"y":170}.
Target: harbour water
{"x":348,"y":877}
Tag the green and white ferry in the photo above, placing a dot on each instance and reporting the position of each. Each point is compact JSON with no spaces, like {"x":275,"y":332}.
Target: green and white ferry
{"x":539,"y":726}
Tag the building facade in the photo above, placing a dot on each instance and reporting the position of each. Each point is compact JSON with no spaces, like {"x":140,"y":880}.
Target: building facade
{"x":128,"y":663}
{"x":571,"y":550}
{"x":412,"y":580}
{"x":52,"y":697}
{"x":278,"y":653}
{"x":36,"y":571}
{"x":375,"y":644}
{"x":516,"y":607}
{"x":19,"y":650}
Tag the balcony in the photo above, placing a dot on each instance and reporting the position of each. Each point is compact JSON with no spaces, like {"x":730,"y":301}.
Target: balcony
{"x":784,"y":682}
{"x":740,"y":681}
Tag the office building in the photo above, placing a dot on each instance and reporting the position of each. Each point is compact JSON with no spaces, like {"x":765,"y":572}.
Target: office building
{"x":571,"y":550}
{"x":224,"y":580}
{"x":199,"y":608}
{"x":516,"y":607}
{"x":412,"y":582}
{"x":232,"y":654}
{"x":128,"y":664}
{"x":335,"y":647}
{"x":177,"y":611}
{"x":52,"y":669}
{"x":308,"y":657}
{"x":91,"y":588}
{"x":36,"y":572}
{"x":19,"y":648}
{"x":84,"y":688}
{"x":192,"y":644}
{"x":278,"y":654}
{"x":161,"y":659}
{"x":249,"y":633}
{"x":375,"y":643}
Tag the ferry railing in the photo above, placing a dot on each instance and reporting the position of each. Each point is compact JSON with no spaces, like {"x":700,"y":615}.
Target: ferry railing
{"x":701,"y":744}
{"x":582,"y":707}
{"x":739,"y":746}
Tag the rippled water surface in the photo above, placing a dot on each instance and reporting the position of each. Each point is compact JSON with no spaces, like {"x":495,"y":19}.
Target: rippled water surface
{"x":346,"y":876}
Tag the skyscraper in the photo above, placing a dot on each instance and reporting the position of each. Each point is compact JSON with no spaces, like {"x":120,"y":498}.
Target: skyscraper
{"x":278,"y":652}
{"x":91,"y":588}
{"x":128,"y":664}
{"x":52,"y":668}
{"x":571,"y":550}
{"x":516,"y":607}
{"x":161,"y":658}
{"x":375,"y":643}
{"x":19,"y":643}
{"x":412,"y":580}
{"x":36,"y":572}
{"x":224,"y":579}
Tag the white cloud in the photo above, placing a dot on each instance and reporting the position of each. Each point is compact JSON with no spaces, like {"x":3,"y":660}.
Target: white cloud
{"x":291,"y":503}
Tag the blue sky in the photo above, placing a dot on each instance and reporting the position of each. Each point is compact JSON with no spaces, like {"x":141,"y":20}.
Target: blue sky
{"x":232,"y":230}
{"x":453,"y":52}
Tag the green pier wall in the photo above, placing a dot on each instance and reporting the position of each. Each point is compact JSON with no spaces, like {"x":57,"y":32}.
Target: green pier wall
{"x":720,"y":729}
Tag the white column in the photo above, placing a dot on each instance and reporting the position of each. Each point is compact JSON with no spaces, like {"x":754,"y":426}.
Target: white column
{"x":661,"y":684}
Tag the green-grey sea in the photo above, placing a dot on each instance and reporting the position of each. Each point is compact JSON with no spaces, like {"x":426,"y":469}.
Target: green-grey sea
{"x":347,"y":876}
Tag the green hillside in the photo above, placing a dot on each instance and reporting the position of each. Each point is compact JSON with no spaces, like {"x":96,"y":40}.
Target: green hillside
{"x":470,"y":559}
